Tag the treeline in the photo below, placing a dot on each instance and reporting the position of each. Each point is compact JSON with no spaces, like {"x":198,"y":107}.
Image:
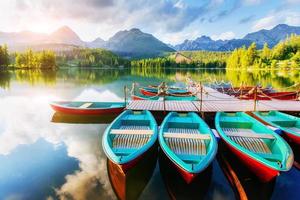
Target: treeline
{"x":170,"y":62}
{"x":284,"y":54}
{"x":207,"y":56}
{"x":84,"y":57}
{"x":35,"y":60}
{"x":4,"y":56}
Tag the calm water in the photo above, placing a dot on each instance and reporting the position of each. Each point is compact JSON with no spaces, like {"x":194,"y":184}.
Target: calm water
{"x":43,"y":156}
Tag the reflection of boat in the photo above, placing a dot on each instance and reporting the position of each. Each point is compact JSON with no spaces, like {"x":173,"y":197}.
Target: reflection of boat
{"x":82,"y":119}
{"x":264,"y":152}
{"x":177,"y":187}
{"x":188,"y":142}
{"x":130,"y":145}
{"x":88,"y":108}
{"x":167,"y":98}
{"x":289,"y":124}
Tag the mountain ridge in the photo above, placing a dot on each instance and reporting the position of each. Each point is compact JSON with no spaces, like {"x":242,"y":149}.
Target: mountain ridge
{"x":271,"y":37}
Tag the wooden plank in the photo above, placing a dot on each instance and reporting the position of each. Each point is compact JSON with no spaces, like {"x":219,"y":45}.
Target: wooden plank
{"x":250,"y":135}
{"x":85,"y":105}
{"x":187,"y":136}
{"x":131,"y":132}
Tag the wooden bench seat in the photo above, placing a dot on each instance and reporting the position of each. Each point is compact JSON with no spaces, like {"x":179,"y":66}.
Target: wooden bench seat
{"x":187,"y":136}
{"x":85,"y":105}
{"x":131,"y":132}
{"x":238,"y":132}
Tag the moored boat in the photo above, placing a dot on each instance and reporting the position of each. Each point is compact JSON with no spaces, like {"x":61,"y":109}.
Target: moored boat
{"x":290,"y":125}
{"x":264,"y":152}
{"x":148,"y":91}
{"x":167,"y":98}
{"x":130,"y":146}
{"x":88,"y":108}
{"x":188,"y":143}
{"x":271,"y":95}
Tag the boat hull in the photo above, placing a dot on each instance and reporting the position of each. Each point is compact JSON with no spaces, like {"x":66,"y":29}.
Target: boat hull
{"x":129,"y":180}
{"x":147,"y":93}
{"x":78,"y":111}
{"x":176,"y":185}
{"x":263,"y":172}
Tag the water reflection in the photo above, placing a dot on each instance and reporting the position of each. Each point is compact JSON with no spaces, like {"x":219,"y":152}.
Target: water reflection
{"x":277,"y":78}
{"x":64,"y":160}
{"x":29,"y":177}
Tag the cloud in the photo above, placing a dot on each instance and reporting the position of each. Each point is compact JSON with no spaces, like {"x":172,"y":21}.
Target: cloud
{"x":82,"y":142}
{"x":224,"y":36}
{"x":246,"y":19}
{"x":268,"y":22}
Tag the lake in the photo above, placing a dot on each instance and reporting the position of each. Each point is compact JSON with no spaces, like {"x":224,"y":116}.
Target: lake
{"x":47,"y":156}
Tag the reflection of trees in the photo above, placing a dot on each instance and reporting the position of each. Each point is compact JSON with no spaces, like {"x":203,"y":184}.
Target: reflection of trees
{"x":91,"y":76}
{"x":5,"y":77}
{"x":34,"y":77}
{"x":276,"y":78}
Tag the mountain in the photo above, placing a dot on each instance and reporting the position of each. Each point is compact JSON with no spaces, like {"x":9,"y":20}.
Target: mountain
{"x":65,"y":35}
{"x":97,"y":43}
{"x":135,"y":43}
{"x":19,"y":41}
{"x":272,"y":37}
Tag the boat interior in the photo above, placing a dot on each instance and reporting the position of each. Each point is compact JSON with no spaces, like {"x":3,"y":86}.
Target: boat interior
{"x":131,"y":133}
{"x":251,"y":135}
{"x":187,"y":138}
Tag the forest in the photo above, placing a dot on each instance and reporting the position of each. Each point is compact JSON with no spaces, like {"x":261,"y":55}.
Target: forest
{"x":4,"y":56}
{"x":35,"y":60}
{"x":84,"y":57}
{"x":199,"y":59}
{"x":285,"y":54}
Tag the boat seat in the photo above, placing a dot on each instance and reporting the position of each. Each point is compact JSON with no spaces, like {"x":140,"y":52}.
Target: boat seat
{"x":85,"y":105}
{"x":240,"y":132}
{"x":249,"y":139}
{"x":131,"y":132}
{"x":187,"y":136}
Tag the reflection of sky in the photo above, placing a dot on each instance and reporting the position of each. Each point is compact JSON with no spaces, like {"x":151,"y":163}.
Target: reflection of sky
{"x":29,"y":171}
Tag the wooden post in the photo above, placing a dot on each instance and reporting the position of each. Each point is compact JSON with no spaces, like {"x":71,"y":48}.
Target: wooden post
{"x":201,"y":99}
{"x":255,"y":98}
{"x":164,"y":100}
{"x":125,"y":95}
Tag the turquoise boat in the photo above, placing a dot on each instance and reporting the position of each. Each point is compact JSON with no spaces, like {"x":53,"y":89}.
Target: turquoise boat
{"x":290,"y":125}
{"x":170,"y":90}
{"x":264,"y":152}
{"x":167,"y":98}
{"x":188,"y":143}
{"x":130,"y":146}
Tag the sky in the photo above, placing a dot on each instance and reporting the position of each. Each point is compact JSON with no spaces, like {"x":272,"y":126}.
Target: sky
{"x":172,"y":21}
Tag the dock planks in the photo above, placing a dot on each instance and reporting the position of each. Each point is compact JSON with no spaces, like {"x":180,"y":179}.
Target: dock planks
{"x":214,"y":101}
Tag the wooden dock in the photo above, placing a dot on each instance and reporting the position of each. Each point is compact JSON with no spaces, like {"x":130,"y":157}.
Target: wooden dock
{"x":214,"y":101}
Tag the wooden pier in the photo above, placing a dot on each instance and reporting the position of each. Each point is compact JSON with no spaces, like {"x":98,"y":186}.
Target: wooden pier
{"x":214,"y":101}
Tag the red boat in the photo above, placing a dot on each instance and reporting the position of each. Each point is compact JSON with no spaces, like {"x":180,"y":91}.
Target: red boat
{"x":272,"y":95}
{"x":88,"y":108}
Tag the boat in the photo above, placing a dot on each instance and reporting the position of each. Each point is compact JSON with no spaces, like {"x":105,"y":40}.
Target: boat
{"x":264,"y":152}
{"x":271,"y":95}
{"x":88,"y":108}
{"x":148,"y":91}
{"x":289,"y":124}
{"x":131,"y":149}
{"x":188,"y":143}
{"x":167,"y":98}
